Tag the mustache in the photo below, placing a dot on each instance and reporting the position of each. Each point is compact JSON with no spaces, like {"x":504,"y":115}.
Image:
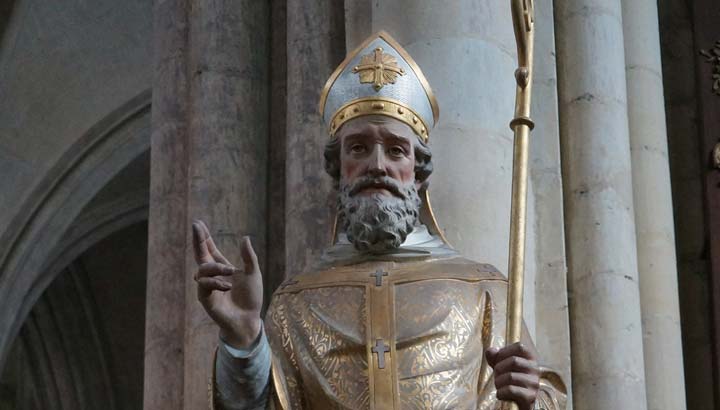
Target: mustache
{"x":387,"y":183}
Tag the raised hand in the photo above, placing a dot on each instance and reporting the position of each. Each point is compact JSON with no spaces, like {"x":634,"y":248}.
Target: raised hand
{"x":232,"y":297}
{"x":517,"y":376}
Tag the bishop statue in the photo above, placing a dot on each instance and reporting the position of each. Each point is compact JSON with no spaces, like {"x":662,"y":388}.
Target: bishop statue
{"x":391,"y":317}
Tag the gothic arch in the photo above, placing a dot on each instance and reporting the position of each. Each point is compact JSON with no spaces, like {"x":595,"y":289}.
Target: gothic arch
{"x":57,"y":224}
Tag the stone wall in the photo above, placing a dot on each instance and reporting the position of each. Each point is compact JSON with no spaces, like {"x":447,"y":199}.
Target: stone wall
{"x":65,"y":66}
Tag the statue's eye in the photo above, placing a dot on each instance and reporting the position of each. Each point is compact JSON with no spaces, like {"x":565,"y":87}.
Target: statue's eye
{"x":357,"y":148}
{"x":397,"y":151}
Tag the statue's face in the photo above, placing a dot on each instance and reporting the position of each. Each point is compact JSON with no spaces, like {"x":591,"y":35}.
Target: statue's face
{"x":379,"y":201}
{"x":377,"y":146}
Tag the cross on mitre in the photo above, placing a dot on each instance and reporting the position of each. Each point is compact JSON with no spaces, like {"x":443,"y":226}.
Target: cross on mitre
{"x":378,"y":68}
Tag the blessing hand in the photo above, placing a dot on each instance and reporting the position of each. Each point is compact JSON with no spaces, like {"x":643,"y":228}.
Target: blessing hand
{"x":231,"y":296}
{"x":517,"y":376}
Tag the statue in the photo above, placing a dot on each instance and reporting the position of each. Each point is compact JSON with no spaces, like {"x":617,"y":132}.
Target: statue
{"x":391,"y":317}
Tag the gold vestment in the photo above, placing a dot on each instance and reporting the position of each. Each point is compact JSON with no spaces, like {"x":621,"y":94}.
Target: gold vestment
{"x":392,"y":335}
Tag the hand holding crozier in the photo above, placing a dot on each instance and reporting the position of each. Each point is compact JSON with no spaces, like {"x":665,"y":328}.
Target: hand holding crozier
{"x":516,"y":374}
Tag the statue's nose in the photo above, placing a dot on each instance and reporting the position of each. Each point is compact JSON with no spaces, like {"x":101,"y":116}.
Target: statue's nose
{"x":377,"y":168}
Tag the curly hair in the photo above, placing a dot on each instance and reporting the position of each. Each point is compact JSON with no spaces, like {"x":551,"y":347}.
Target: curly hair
{"x":423,"y":160}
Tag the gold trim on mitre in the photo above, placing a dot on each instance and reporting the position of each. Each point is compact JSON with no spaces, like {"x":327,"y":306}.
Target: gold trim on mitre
{"x":396,"y":104}
{"x":379,"y":106}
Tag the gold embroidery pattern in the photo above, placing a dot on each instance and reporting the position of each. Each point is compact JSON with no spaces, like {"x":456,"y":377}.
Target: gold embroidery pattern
{"x":438,"y":369}
{"x":441,"y":323}
{"x":278,"y":329}
{"x":330,"y":346}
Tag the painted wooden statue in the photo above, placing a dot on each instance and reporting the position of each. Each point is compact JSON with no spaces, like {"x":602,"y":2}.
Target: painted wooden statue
{"x":391,"y":317}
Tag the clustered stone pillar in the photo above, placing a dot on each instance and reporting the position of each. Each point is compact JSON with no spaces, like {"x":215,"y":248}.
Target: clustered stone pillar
{"x":605,"y":319}
{"x":657,"y":263}
{"x":209,"y":162}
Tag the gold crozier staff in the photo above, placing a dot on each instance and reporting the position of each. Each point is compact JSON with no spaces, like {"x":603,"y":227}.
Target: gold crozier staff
{"x":524,"y":25}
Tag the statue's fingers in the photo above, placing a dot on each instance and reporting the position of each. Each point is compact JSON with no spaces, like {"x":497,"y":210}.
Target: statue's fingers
{"x":524,"y":380}
{"x":491,"y":356}
{"x":519,"y":395}
{"x":208,"y":285}
{"x":215,"y":252}
{"x":516,"y":364}
{"x":210,"y":243}
{"x":515,"y":349}
{"x":249,"y":257}
{"x":215,"y":269}
{"x":200,"y":243}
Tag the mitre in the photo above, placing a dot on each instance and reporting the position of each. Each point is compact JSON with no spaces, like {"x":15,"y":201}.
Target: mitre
{"x":379,"y":78}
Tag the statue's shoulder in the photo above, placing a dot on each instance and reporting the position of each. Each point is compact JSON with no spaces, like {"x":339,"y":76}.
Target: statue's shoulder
{"x":457,"y":267}
{"x":363,"y":274}
{"x":463,"y":264}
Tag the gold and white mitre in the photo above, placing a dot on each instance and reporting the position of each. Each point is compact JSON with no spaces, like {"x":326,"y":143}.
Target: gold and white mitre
{"x":379,"y":78}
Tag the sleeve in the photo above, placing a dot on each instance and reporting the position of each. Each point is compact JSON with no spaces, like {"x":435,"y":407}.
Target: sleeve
{"x":242,"y":377}
{"x":552,"y":394}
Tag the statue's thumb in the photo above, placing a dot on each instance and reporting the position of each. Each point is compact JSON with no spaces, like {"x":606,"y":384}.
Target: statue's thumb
{"x":248,"y":255}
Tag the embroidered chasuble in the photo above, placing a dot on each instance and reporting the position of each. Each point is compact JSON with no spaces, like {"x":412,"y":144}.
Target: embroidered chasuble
{"x":391,"y":335}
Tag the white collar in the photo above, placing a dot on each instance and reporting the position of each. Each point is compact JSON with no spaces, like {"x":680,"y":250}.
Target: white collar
{"x":420,"y":237}
{"x":420,"y":243}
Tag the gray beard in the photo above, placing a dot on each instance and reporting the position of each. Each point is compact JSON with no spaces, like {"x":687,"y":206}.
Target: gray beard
{"x":378,"y":223}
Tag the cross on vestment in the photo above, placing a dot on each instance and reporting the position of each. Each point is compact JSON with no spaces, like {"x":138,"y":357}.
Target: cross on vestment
{"x":378,"y":276}
{"x":380,"y":349}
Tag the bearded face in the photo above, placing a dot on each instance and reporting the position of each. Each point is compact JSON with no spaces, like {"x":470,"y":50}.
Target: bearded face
{"x":374,"y":159}
{"x":378,"y":222}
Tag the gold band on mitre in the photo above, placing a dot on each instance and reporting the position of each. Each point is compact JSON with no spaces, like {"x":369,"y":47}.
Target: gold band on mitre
{"x":379,"y":106}
{"x":379,"y":78}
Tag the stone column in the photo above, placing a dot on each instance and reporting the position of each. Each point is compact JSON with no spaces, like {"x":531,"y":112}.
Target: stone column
{"x":605,"y":321}
{"x":167,"y":230}
{"x":227,"y":155}
{"x":209,"y":162}
{"x":316,"y":45}
{"x":654,"y":226}
{"x":552,"y":329}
